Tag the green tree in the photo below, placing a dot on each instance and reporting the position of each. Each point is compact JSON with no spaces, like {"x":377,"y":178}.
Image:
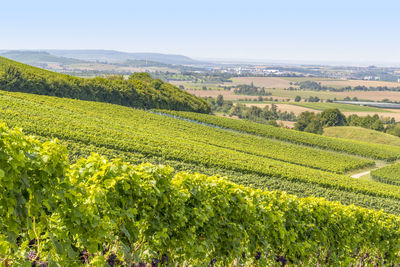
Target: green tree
{"x":297,"y":99}
{"x":308,"y":122}
{"x":220,"y":100}
{"x":332,"y":117}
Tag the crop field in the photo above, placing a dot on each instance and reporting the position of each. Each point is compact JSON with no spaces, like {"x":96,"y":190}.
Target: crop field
{"x":296,"y":109}
{"x":296,"y":162}
{"x":341,"y":107}
{"x":228,"y":95}
{"x":303,"y":79}
{"x":304,"y":94}
{"x":352,"y":147}
{"x":147,"y":213}
{"x":199,"y":86}
{"x":267,"y":82}
{"x":280,"y":94}
{"x":369,"y":95}
{"x":389,"y":174}
{"x":352,"y":83}
{"x":277,"y":86}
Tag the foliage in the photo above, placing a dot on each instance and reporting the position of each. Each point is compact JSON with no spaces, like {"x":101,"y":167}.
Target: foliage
{"x":309,"y":122}
{"x":332,"y":117}
{"x":100,"y":211}
{"x":369,"y":122}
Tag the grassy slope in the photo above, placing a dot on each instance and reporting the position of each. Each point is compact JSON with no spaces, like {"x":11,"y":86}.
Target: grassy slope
{"x":362,"y":134}
{"x":34,"y":57}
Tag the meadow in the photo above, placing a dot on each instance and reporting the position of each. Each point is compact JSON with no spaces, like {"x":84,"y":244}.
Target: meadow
{"x":362,"y":134}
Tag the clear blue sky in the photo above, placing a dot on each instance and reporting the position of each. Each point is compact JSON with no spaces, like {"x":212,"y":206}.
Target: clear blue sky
{"x":358,"y":31}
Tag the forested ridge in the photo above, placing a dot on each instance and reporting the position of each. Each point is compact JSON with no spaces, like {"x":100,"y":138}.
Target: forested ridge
{"x":140,"y":90}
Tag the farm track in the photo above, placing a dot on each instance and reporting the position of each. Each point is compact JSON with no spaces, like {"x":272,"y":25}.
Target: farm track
{"x":358,"y":175}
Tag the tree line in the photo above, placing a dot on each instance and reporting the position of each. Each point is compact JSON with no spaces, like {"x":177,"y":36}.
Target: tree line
{"x":316,"y":86}
{"x":266,"y":115}
{"x":314,"y":123}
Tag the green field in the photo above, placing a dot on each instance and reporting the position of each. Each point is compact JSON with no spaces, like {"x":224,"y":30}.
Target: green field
{"x":341,"y":107}
{"x":362,"y":134}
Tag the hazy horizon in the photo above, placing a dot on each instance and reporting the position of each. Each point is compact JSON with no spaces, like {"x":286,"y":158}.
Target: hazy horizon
{"x":362,"y":32}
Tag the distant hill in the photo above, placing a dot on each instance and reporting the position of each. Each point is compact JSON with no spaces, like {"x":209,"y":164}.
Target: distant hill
{"x":112,"y":56}
{"x":362,"y":134}
{"x":38,"y":57}
{"x":139,"y":91}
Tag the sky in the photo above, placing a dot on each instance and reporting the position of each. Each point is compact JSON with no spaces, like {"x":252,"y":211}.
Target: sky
{"x":293,"y":30}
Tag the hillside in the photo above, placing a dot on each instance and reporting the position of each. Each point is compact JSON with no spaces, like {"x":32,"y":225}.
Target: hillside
{"x":107,"y":213}
{"x":140,"y":90}
{"x":362,"y":134}
{"x":117,"y":56}
{"x":38,"y":57}
{"x":259,"y":161}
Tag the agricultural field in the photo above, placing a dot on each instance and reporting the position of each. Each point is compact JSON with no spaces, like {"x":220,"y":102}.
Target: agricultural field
{"x":389,"y":174}
{"x":303,"y":79}
{"x":277,"y":87}
{"x":253,"y":154}
{"x":337,"y":144}
{"x":228,"y":95}
{"x":353,"y":83}
{"x":341,"y":107}
{"x":369,"y":95}
{"x":266,"y":82}
{"x":282,"y":106}
{"x":128,"y":204}
{"x":275,"y":93}
{"x":362,"y":134}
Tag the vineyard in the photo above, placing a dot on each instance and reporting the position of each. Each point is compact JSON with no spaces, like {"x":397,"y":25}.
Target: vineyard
{"x":257,"y":161}
{"x":389,"y":174}
{"x":140,"y":90}
{"x":363,"y":149}
{"x":146,"y":214}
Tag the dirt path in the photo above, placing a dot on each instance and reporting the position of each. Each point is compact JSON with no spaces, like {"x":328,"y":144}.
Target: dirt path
{"x":378,"y":164}
{"x":358,"y":175}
